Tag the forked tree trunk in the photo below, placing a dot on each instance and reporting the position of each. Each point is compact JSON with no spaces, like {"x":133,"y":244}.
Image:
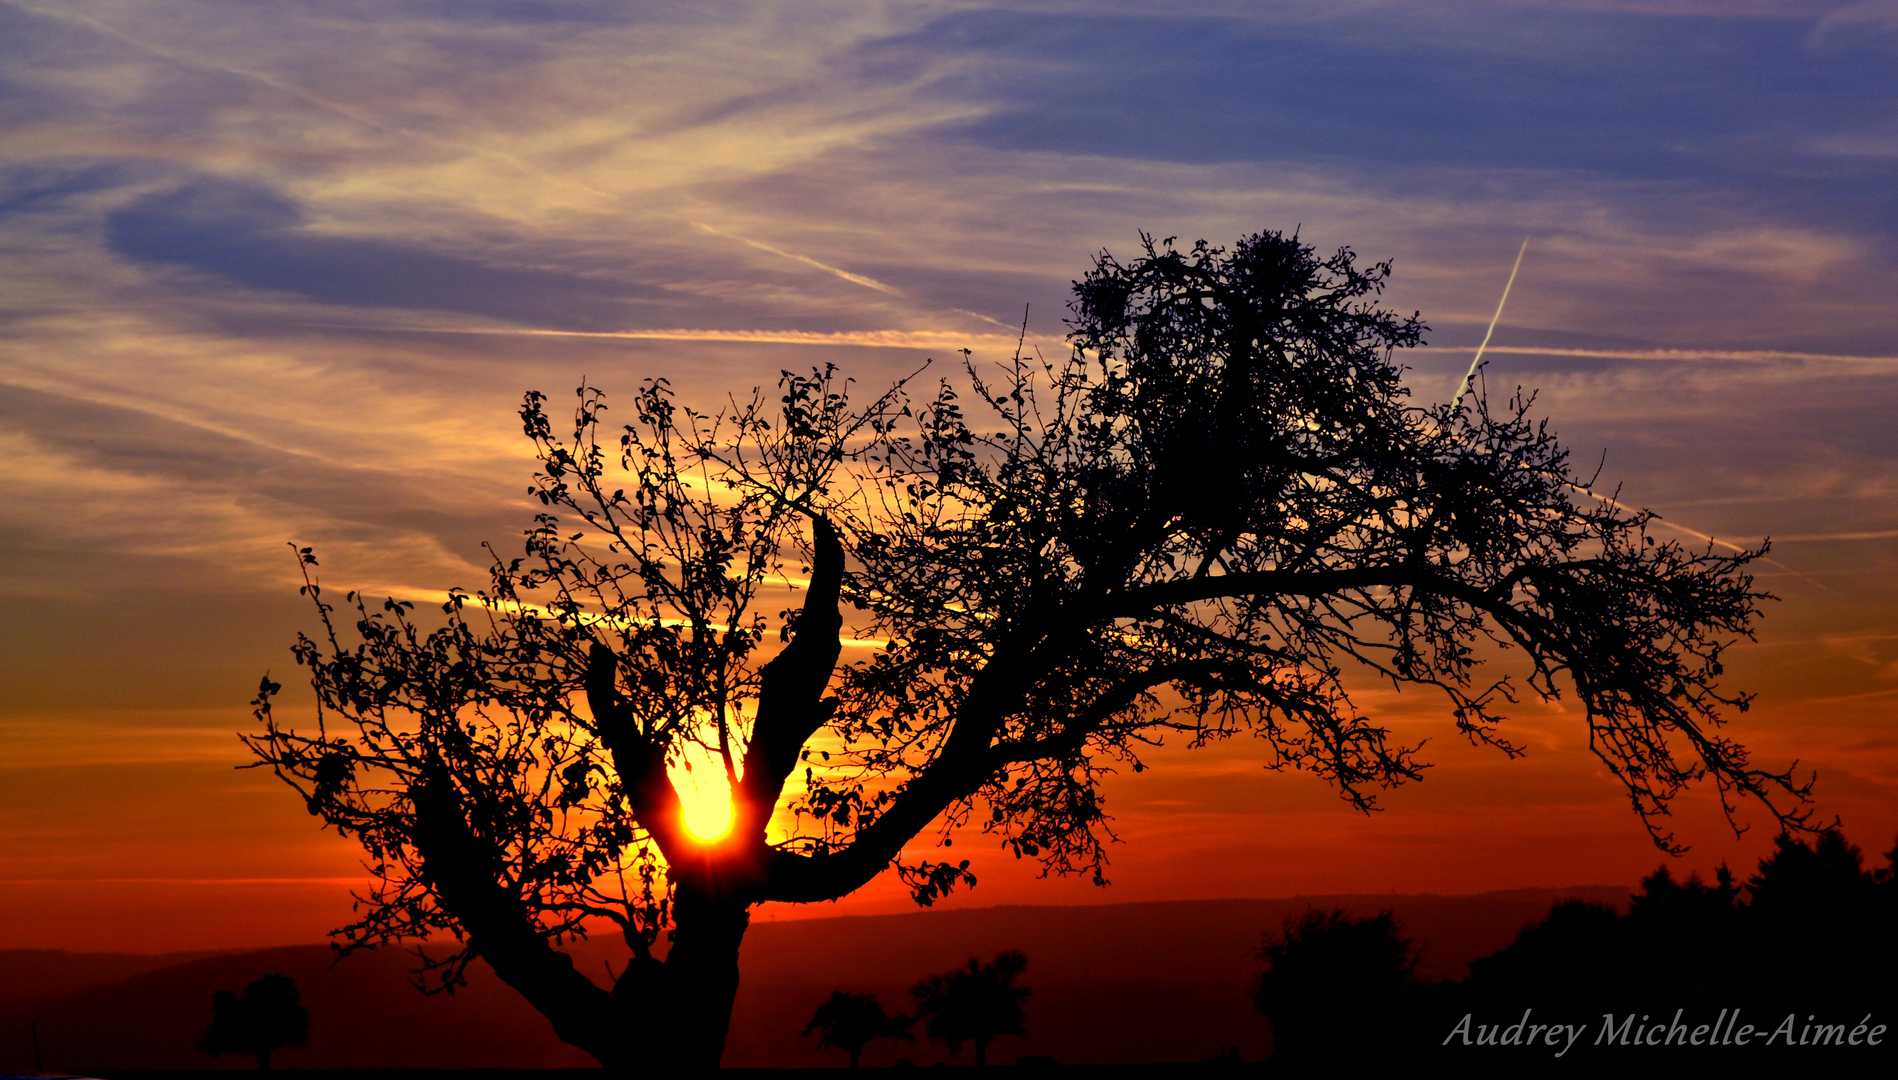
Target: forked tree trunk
{"x":670,"y":1017}
{"x":660,"y":1018}
{"x":701,"y":979}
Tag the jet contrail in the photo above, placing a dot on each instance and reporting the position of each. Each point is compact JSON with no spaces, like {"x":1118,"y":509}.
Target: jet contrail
{"x":868,"y":339}
{"x":1735,"y":548}
{"x":1697,"y":534}
{"x":1679,"y":355}
{"x":1880,"y":534}
{"x":984,"y":318}
{"x":1464,"y":386}
{"x":855,"y":279}
{"x":184,"y":881}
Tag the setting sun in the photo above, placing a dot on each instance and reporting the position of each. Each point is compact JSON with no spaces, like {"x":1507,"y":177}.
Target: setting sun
{"x":708,"y":815}
{"x":704,"y":792}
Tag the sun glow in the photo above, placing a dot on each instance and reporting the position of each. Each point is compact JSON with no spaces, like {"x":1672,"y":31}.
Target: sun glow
{"x":704,"y":793}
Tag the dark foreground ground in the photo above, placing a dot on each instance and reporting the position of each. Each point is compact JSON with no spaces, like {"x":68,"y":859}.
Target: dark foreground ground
{"x":1155,"y":983}
{"x":1033,"y":1067}
{"x":1837,"y":1067}
{"x":1111,"y":983}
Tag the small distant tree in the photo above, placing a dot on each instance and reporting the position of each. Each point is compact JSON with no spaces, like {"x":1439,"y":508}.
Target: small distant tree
{"x":1333,"y":985}
{"x":977,"y":1004}
{"x":268,"y":1017}
{"x":850,"y":1022}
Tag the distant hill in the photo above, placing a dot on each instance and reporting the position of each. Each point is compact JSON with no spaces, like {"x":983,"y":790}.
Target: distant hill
{"x":363,"y":1013}
{"x":1112,"y":983}
{"x":28,"y":974}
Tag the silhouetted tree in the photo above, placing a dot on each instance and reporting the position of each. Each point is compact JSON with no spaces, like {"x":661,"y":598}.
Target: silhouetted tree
{"x":1576,"y":956}
{"x":1334,"y":987}
{"x":850,"y":1022}
{"x":1816,"y":916}
{"x":1810,"y":933}
{"x":977,"y":1003}
{"x":268,"y":1017}
{"x":1680,"y":942}
{"x":1206,"y":520}
{"x":1681,"y":933}
{"x":1803,"y":881}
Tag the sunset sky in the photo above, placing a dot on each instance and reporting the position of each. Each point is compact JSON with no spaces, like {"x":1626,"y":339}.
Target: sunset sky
{"x":281,"y":271}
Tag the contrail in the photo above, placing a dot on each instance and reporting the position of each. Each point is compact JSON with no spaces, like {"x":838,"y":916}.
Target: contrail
{"x":1880,"y":534}
{"x":1697,"y":534}
{"x":184,"y":881}
{"x":984,"y":318}
{"x":866,"y":339}
{"x":1851,"y":697}
{"x":1464,"y":386}
{"x":855,"y":279}
{"x":1738,"y":355}
{"x":1735,"y":548}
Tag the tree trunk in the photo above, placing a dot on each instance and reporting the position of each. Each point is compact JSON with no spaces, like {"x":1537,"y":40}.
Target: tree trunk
{"x":700,"y":979}
{"x":662,"y":1017}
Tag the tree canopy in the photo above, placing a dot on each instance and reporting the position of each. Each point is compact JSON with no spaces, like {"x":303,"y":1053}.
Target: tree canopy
{"x":1215,"y":516}
{"x":1330,"y":985}
{"x":850,"y":1022}
{"x":976,"y":1003}
{"x":268,"y":1017}
{"x":1802,"y":948}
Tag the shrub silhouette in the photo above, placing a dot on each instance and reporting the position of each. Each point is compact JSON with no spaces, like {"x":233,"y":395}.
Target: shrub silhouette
{"x":1334,"y":987}
{"x":850,"y":1022}
{"x":977,"y":1003}
{"x":268,"y":1017}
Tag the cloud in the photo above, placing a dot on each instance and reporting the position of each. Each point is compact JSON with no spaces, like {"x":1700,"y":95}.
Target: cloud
{"x":134,"y":486}
{"x":255,"y":238}
{"x":1599,"y":91}
{"x":1869,"y":25}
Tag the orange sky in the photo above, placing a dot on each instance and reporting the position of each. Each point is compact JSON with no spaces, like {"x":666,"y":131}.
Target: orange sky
{"x":282,"y":274}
